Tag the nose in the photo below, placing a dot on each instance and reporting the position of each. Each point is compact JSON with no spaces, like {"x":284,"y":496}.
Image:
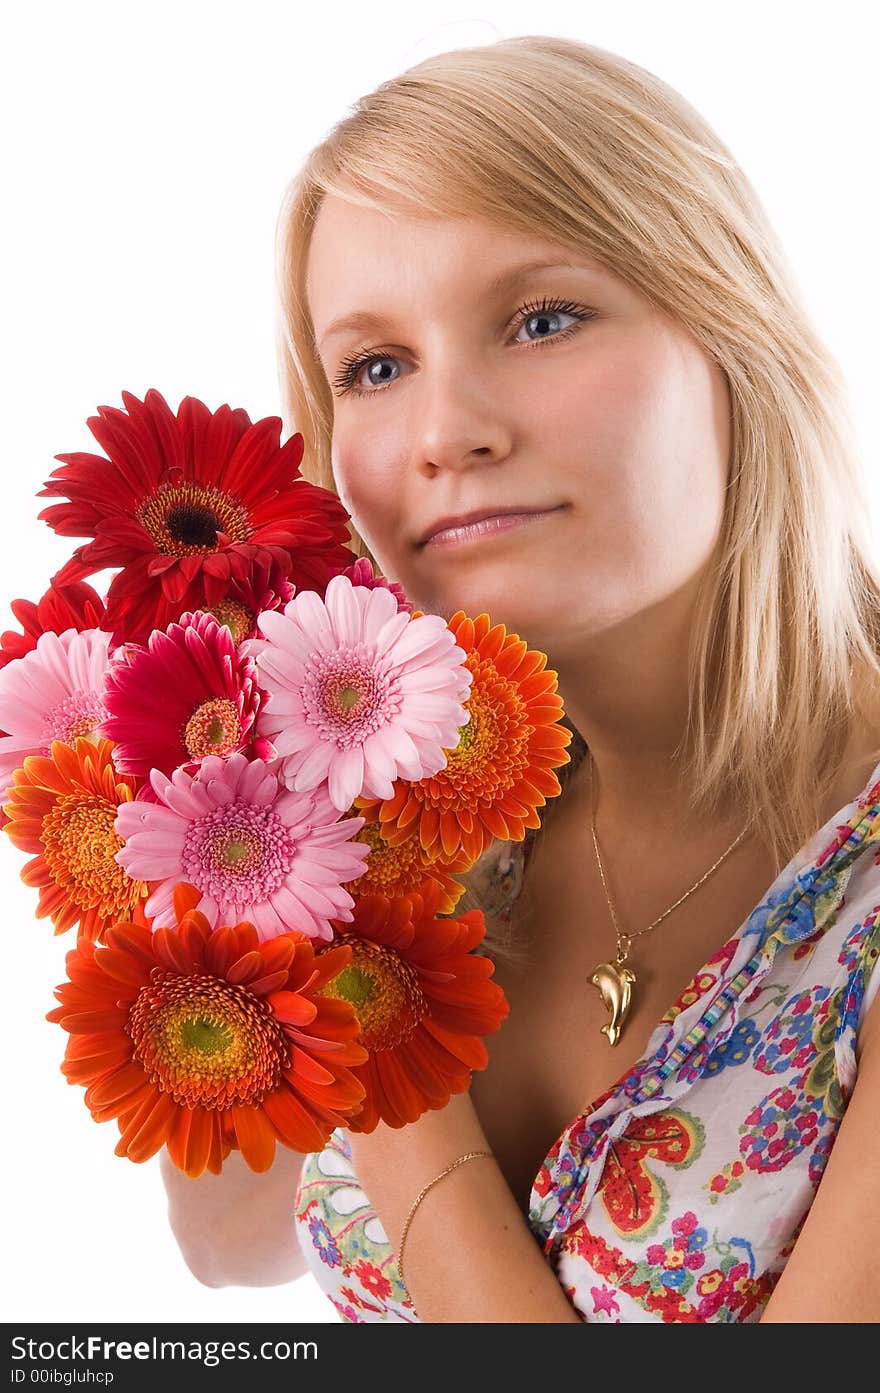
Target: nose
{"x":459,"y":420}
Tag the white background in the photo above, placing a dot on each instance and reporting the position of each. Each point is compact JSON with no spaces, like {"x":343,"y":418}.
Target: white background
{"x":145,"y":150}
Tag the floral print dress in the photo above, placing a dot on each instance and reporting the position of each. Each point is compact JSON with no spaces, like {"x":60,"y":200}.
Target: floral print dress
{"x":678,"y":1195}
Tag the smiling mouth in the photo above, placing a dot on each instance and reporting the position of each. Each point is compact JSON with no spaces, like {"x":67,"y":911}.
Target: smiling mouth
{"x":487,"y":528}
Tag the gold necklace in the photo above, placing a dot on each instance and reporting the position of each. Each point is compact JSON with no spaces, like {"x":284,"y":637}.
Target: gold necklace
{"x":615,"y":980}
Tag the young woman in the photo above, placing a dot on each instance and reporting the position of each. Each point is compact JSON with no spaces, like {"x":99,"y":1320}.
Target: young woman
{"x":672,"y":510}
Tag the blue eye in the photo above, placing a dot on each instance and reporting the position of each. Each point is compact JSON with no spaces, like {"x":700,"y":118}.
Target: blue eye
{"x":548,"y":309}
{"x":545,"y":309}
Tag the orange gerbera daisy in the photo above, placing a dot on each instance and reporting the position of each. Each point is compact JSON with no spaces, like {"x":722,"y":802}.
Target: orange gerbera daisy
{"x":424,"y":1001}
{"x":402,"y":869}
{"x":209,"y":1040}
{"x":62,"y":808}
{"x":501,"y":771}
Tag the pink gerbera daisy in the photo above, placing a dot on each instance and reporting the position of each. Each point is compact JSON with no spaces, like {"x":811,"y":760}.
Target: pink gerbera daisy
{"x":254,"y":849}
{"x":187,"y":694}
{"x":360,"y":693}
{"x":55,"y":692}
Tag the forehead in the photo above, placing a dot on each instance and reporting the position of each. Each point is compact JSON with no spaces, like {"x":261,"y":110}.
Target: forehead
{"x":358,"y":257}
{"x":341,"y":217}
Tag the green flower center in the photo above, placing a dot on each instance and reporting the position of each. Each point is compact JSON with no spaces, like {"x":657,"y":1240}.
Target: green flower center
{"x":207,"y":1036}
{"x":355,"y":986}
{"x":384,"y":990}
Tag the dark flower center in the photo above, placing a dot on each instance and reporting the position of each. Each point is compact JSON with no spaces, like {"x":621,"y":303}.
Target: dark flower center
{"x":186,"y":519}
{"x":194,"y":526}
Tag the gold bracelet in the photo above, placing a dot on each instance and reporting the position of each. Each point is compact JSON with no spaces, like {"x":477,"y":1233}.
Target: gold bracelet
{"x":421,"y":1195}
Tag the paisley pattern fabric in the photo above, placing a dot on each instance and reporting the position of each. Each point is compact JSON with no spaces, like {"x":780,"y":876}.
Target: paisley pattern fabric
{"x":679,"y":1194}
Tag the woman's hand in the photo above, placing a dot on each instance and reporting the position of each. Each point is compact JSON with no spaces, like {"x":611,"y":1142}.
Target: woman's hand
{"x":470,"y":1254}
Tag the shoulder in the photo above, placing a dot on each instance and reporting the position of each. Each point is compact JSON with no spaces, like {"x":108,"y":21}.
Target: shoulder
{"x":827,"y":1278}
{"x":869,"y":1030}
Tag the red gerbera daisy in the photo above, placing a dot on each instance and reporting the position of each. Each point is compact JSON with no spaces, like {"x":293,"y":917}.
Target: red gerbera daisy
{"x":264,"y":587}
{"x":75,"y":606}
{"x":186,"y":504}
{"x":208,"y":1040}
{"x":424,"y":1001}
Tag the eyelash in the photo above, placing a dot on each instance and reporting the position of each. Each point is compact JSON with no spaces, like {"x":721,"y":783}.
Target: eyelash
{"x":344,"y":382}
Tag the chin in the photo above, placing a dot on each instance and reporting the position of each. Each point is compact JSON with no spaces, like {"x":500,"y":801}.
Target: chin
{"x":521,"y":613}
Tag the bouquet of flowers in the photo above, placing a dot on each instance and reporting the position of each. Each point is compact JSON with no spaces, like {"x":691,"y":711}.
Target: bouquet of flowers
{"x":248,"y":777}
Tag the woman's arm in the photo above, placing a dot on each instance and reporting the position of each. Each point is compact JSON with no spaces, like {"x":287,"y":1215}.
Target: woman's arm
{"x":470,"y":1255}
{"x":237,"y":1228}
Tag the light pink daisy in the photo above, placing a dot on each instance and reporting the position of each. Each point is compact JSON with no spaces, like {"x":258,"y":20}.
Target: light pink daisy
{"x":255,"y":850}
{"x":54,"y":692}
{"x":359,"y":693}
{"x":188,"y":693}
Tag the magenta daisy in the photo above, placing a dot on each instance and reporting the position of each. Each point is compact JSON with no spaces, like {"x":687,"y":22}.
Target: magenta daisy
{"x":54,"y":692}
{"x":359,"y":693}
{"x":187,"y":694}
{"x":361,"y":572}
{"x":254,"y":849}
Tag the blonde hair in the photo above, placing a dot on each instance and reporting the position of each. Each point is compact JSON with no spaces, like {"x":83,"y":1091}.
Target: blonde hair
{"x":553,"y":137}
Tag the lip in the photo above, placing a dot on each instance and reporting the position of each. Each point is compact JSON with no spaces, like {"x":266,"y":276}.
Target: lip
{"x":481,"y":525}
{"x":440,"y":532}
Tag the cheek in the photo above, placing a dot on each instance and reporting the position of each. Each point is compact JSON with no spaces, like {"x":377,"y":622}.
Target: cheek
{"x":362,"y":482}
{"x":646,"y":457}
{"x":342,"y":462}
{"x":370,"y":485}
{"x":600,"y":419}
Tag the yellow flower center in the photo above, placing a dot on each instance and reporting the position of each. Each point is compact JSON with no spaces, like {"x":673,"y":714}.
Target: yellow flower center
{"x":238,"y":849}
{"x":384,"y":991}
{"x":465,"y":738}
{"x":238,"y":620}
{"x":207,"y":1042}
{"x":214,"y":728}
{"x":84,"y":727}
{"x":79,"y":848}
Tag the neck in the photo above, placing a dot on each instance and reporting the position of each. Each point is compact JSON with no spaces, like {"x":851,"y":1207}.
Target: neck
{"x":624,"y":686}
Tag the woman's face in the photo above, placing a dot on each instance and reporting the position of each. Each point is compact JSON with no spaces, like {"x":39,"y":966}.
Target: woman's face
{"x":454,"y":391}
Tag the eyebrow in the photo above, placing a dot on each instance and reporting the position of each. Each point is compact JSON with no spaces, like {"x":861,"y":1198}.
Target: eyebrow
{"x":504,"y":280}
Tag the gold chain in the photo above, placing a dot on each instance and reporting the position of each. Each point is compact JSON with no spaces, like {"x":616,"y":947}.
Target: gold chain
{"x":468,"y":1156}
{"x":615,"y":980}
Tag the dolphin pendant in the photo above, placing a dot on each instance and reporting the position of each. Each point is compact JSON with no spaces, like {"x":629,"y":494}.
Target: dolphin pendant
{"x":615,"y":982}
